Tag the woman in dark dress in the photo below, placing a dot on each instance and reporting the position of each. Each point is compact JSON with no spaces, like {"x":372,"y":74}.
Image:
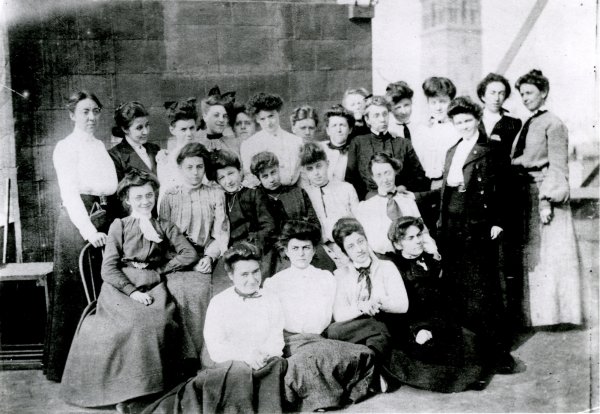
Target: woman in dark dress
{"x":471,"y":221}
{"x":87,"y":179}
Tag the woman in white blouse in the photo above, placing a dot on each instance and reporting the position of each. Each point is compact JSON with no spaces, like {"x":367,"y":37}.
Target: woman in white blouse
{"x":87,"y":180}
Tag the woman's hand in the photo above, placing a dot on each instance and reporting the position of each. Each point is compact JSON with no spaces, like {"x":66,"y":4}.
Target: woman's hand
{"x":423,"y":336}
{"x":256,"y":360}
{"x":98,"y":239}
{"x":546,"y":215}
{"x":369,"y":307}
{"x":495,"y":232}
{"x":204,"y":265}
{"x":143,"y":298}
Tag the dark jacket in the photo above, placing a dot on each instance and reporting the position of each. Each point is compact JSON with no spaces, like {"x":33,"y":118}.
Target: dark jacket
{"x":124,"y":157}
{"x":507,"y":129}
{"x":362,"y":148}
{"x":484,"y":173}
{"x":290,"y":202}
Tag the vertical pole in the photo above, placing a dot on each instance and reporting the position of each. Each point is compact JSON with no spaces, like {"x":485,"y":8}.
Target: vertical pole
{"x":6,"y":221}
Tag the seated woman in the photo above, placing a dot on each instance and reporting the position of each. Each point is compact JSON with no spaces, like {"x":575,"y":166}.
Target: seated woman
{"x":304,"y":121}
{"x":369,"y":293}
{"x":198,"y":210}
{"x":247,"y":209}
{"x":338,"y":125}
{"x":244,"y":337}
{"x":377,"y":213}
{"x":125,"y":342}
{"x":432,"y":352}
{"x":182,"y":117}
{"x":322,"y":373}
{"x":215,"y":132}
{"x":286,"y":202}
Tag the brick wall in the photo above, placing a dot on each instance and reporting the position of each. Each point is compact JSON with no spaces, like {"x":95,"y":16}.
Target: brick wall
{"x":307,"y":51}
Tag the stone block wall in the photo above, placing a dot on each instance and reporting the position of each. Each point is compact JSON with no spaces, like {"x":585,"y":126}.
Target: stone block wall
{"x":307,"y":51}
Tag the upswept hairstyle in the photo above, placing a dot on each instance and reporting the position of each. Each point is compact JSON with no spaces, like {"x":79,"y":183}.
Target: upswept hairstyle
{"x":356,"y":91}
{"x":339,"y":110}
{"x":194,"y":149}
{"x":397,"y":91}
{"x":398,"y":228}
{"x":220,"y":159}
{"x":492,"y":77}
{"x":311,"y":153}
{"x":136,"y":178}
{"x":182,"y":110}
{"x":124,"y":116}
{"x":263,"y":102}
{"x":464,"y":105}
{"x":79,"y":96}
{"x":383,"y":158}
{"x":304,"y":112}
{"x":377,"y":100}
{"x":300,"y":230}
{"x":343,"y":228}
{"x":240,"y":251}
{"x":262,"y":161}
{"x":234,"y":111}
{"x":438,"y":86}
{"x":536,"y":78}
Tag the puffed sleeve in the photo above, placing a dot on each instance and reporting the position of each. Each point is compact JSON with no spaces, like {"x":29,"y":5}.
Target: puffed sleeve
{"x":64,"y":159}
{"x":273,"y":345}
{"x":555,"y":186}
{"x":220,"y":228}
{"x":396,"y":298}
{"x":218,"y":345}
{"x":344,"y":308}
{"x":185,"y":254}
{"x":111,"y":263}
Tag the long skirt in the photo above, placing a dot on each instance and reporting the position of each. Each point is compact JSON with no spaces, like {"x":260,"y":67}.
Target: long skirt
{"x":67,"y":297}
{"x":551,"y":265}
{"x":325,"y":373}
{"x":229,"y":387}
{"x":122,"y":349}
{"x":191,"y":293}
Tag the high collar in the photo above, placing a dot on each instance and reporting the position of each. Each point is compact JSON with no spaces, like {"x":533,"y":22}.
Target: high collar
{"x":214,"y":136}
{"x":133,"y":144}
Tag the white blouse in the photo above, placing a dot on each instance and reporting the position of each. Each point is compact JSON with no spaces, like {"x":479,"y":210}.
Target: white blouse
{"x":236,"y":327}
{"x":83,"y":166}
{"x":338,"y":162}
{"x":306,"y":296}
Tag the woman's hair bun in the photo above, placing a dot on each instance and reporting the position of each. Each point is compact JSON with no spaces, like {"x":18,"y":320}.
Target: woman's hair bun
{"x":536,"y":72}
{"x":118,"y":132}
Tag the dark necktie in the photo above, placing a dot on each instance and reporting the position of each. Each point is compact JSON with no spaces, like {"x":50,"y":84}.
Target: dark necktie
{"x":365,"y":273}
{"x":323,"y":200}
{"x":392,"y":209}
{"x":214,"y":136}
{"x":406,"y":131}
{"x":253,"y":295}
{"x":521,"y":141}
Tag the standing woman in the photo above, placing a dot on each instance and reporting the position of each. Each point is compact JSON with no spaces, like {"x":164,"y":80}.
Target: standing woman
{"x":241,"y":122}
{"x":86,"y":178}
{"x":493,"y":90}
{"x":215,"y":132}
{"x":472,"y":220}
{"x":540,"y":161}
{"x":134,"y":151}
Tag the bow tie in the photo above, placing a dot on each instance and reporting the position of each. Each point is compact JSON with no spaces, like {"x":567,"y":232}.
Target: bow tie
{"x":214,"y":136}
{"x":365,"y":273}
{"x":244,"y":296}
{"x":421,"y":262}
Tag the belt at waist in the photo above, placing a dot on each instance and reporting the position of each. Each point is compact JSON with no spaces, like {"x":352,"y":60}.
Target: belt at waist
{"x":524,"y":170}
{"x":458,"y":188}
{"x":141,"y":265}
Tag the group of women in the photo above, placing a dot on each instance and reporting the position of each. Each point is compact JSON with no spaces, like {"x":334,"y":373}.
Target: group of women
{"x":323,"y":291}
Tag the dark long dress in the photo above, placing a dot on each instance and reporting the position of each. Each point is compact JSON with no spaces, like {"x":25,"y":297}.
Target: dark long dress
{"x":450,"y":361}
{"x":124,"y":349}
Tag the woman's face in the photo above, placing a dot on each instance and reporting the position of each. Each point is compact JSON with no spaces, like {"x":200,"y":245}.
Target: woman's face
{"x":229,"y":178}
{"x":86,"y":115}
{"x":465,"y":124}
{"x":141,"y":199}
{"x":139,"y":130}
{"x":411,"y":244}
{"x":385,"y":177}
{"x":357,"y":248}
{"x":300,"y":253}
{"x":356,"y":104}
{"x":246,"y":276}
{"x":338,"y":130}
{"x":216,"y":119}
{"x":532,"y":97}
{"x":438,"y":106}
{"x":268,"y":120}
{"x":184,"y":131}
{"x":494,"y":96}
{"x":192,"y":170}
{"x":305,"y":129}
{"x":244,"y":126}
{"x":403,"y":110}
{"x":377,"y":117}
